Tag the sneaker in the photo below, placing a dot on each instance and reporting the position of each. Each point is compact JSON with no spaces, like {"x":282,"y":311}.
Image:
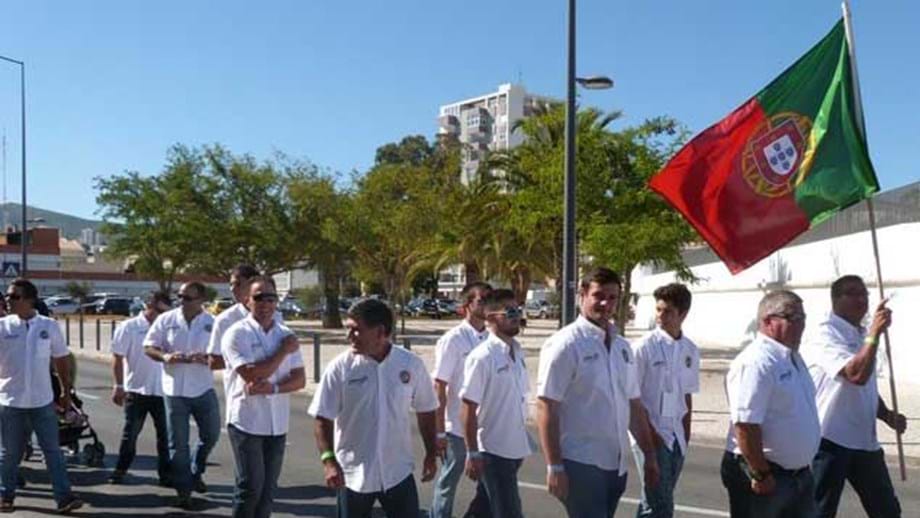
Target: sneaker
{"x":70,"y":503}
{"x":165,"y":482}
{"x":199,"y":486}
{"x":184,"y":501}
{"x":117,"y":477}
{"x":6,"y":506}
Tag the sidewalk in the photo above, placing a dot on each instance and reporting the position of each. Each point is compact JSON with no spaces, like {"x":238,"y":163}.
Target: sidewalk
{"x":710,"y":416}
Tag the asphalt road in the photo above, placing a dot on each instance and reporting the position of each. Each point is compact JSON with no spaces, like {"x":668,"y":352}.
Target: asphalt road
{"x":301,"y":492}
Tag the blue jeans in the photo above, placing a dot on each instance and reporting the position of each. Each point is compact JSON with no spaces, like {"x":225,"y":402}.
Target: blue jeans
{"x":500,"y":483}
{"x":593,"y":492}
{"x":658,"y":501}
{"x":794,"y":496}
{"x":867,"y":473}
{"x":206,"y":411}
{"x":257,"y":466}
{"x":16,"y":425}
{"x":445,"y":486}
{"x":400,"y":501}
{"x":137,"y":406}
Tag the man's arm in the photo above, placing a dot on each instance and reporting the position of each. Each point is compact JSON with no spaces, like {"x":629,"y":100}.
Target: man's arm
{"x":750,"y":441}
{"x":216,"y":362}
{"x":118,"y":374}
{"x":474,"y":463}
{"x":557,"y":482}
{"x":897,"y":422}
{"x":860,"y":368}
{"x":647,"y":439}
{"x":253,"y":372}
{"x":427,"y":429}
{"x":688,"y":417}
{"x":156,"y":354}
{"x":323,"y":432}
{"x":62,"y":367}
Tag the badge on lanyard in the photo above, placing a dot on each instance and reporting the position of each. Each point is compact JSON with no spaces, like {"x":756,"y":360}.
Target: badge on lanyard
{"x":669,"y":395}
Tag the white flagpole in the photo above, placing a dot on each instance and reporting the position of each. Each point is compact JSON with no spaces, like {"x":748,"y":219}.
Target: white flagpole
{"x":857,"y":102}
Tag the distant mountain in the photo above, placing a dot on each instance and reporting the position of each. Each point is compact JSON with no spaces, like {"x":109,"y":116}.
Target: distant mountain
{"x":70,"y":225}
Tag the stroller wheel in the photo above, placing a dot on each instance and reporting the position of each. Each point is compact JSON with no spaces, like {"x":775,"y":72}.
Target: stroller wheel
{"x":94,"y":455}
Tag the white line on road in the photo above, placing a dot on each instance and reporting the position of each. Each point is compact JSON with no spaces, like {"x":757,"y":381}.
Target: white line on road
{"x":683,"y":508}
{"x":84,"y":395}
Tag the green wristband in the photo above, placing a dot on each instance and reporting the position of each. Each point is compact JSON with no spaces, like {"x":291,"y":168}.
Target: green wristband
{"x":326,"y":455}
{"x":871,"y":340}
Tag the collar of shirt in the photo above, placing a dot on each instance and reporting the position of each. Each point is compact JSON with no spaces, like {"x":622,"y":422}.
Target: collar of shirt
{"x":251,"y":320}
{"x":480,"y":335}
{"x":594,"y":331}
{"x":852,"y":334}
{"x":774,"y":348}
{"x":495,"y":341}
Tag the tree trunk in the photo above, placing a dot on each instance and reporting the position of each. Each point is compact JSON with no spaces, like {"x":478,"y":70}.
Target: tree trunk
{"x":520,"y":284}
{"x":473,"y":273}
{"x":625,"y":300}
{"x":331,"y":285}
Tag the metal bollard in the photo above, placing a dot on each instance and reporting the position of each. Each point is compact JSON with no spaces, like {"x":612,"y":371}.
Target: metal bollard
{"x":316,"y":358}
{"x":98,"y":334}
{"x":407,"y":343}
{"x":81,"y":330}
{"x":67,"y":330}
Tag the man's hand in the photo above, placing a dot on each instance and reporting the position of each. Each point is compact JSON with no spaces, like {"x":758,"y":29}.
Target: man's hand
{"x":255,"y":388}
{"x":174,"y":358}
{"x":201,"y":358}
{"x":765,"y":486}
{"x":652,"y":472}
{"x":441,"y":447}
{"x":118,"y":396}
{"x":557,"y":483}
{"x":290,"y":344}
{"x":880,"y":320}
{"x":65,"y":401}
{"x":474,"y":468}
{"x":429,"y":467}
{"x":897,"y":422}
{"x":332,"y":472}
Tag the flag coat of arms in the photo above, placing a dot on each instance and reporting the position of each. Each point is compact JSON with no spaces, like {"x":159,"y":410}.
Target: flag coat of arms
{"x":781,"y":163}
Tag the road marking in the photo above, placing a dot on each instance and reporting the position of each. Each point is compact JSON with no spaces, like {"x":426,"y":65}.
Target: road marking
{"x":702,"y":511}
{"x":84,"y":395}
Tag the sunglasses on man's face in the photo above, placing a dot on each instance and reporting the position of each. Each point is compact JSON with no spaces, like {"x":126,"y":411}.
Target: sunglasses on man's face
{"x":187,"y":298}
{"x":265,"y":297}
{"x":510,"y":313}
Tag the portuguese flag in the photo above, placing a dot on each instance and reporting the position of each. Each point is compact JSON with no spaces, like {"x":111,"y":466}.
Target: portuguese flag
{"x":783,"y":162}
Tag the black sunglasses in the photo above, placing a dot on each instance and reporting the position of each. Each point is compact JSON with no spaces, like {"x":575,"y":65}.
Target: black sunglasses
{"x":265,"y":297}
{"x":186,"y":298}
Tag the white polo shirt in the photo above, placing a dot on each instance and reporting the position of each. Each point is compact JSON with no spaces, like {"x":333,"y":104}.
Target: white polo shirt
{"x":370,"y":404}
{"x":172,"y":334}
{"x":499,"y":385}
{"x":768,"y":384}
{"x":141,"y":374}
{"x":593,"y":387}
{"x":449,"y":355}
{"x":668,"y":370}
{"x":847,"y":411}
{"x":26,"y":349}
{"x":247,"y":343}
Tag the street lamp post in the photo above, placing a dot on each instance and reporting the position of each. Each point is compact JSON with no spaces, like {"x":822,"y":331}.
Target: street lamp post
{"x":567,"y":315}
{"x":22,"y":86}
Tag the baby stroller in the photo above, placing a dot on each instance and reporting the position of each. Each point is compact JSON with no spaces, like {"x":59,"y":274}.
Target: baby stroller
{"x":74,"y":425}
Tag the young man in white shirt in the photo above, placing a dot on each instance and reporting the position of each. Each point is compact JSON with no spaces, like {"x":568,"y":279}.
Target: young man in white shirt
{"x":668,"y":364}
{"x":240,"y":278}
{"x":842,"y":357}
{"x":774,"y":431}
{"x":494,"y":394}
{"x":362,"y":409}
{"x":179,"y":340}
{"x":265,"y":365}
{"x":138,"y":388}
{"x":449,"y":355}
{"x":29,"y":343}
{"x":588,"y":401}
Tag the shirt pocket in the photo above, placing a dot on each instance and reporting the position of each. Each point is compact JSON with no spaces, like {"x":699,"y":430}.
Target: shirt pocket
{"x":43,"y":348}
{"x":689,"y":371}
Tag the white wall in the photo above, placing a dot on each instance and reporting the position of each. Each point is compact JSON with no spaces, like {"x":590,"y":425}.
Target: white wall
{"x":724,"y":306}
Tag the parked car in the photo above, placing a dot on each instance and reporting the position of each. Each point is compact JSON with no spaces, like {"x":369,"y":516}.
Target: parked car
{"x":216,"y":307}
{"x":62,"y":305}
{"x":292,"y":308}
{"x":89,"y":303}
{"x":540,"y":309}
{"x":137,"y":305}
{"x":449,"y":306}
{"x":113,"y":306}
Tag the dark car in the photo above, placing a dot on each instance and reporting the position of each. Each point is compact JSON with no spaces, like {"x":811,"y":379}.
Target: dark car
{"x":292,"y":308}
{"x":113,"y":306}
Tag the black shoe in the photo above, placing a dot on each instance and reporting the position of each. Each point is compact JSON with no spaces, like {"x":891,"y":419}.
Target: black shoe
{"x":165,"y":482}
{"x":21,"y":481}
{"x":184,"y":501}
{"x":199,"y":486}
{"x":70,"y":503}
{"x":117,"y":477}
{"x":6,"y":506}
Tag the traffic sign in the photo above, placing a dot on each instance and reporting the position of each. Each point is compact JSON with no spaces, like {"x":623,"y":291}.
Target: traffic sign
{"x":11,"y":269}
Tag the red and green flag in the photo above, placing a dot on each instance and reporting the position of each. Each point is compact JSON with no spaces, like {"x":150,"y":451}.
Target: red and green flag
{"x":783,"y":162}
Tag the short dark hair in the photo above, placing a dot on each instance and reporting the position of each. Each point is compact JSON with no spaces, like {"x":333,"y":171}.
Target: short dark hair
{"x":496,"y":299}
{"x":158,"y":296}
{"x":245,"y":271}
{"x":263,"y":279}
{"x":29,"y":291}
{"x":466,"y":294}
{"x":372,"y":313}
{"x":838,"y":286}
{"x":675,"y":294}
{"x":601,"y":276}
{"x":199,"y":288}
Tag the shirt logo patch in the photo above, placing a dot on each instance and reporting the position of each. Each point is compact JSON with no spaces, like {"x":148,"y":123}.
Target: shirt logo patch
{"x":591,"y":357}
{"x":405,"y":377}
{"x":207,"y":327}
{"x":357,"y":381}
{"x":687,"y":362}
{"x":43,"y":335}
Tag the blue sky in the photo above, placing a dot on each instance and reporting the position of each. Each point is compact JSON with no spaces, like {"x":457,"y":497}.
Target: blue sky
{"x":113,"y":84}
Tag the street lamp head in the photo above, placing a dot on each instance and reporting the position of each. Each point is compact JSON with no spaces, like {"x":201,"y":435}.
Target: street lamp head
{"x":595,"y":82}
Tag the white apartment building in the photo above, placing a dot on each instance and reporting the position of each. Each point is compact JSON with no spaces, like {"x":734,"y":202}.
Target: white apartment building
{"x":485,"y":123}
